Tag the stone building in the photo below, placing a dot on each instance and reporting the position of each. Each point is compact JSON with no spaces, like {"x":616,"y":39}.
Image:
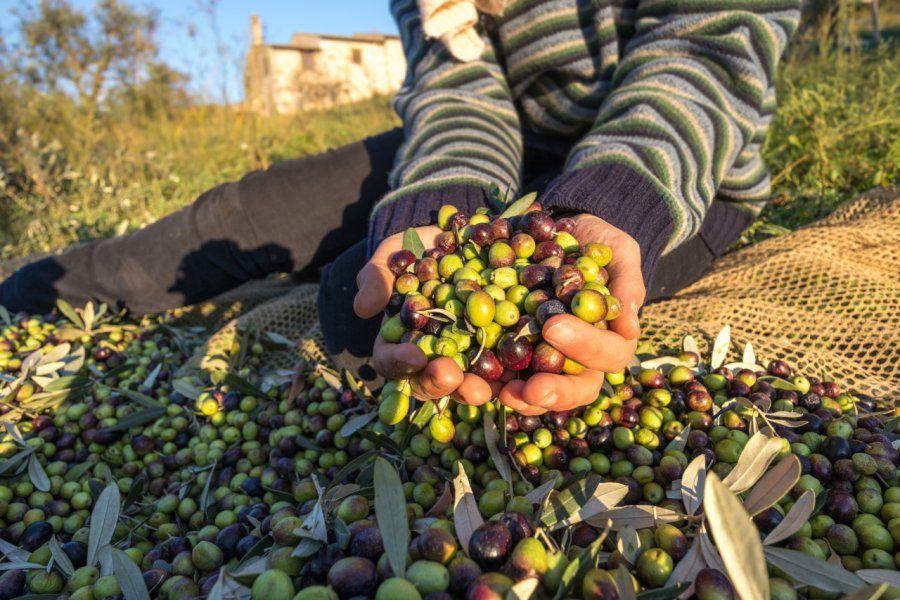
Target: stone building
{"x":316,"y":71}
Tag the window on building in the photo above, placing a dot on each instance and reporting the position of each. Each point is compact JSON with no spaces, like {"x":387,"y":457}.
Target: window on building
{"x":308,"y":60}
{"x":356,"y":56}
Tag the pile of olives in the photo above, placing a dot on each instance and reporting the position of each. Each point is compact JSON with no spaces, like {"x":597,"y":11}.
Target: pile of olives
{"x":227,"y":477}
{"x":482,"y":293}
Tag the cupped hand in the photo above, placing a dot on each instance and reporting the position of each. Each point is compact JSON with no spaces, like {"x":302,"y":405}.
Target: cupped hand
{"x":429,"y":380}
{"x":599,"y":351}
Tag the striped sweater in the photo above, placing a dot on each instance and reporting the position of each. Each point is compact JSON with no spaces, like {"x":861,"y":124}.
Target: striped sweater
{"x":662,"y":106}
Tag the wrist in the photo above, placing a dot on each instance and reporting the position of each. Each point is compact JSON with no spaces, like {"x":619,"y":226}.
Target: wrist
{"x":622,"y":198}
{"x":400,"y":210}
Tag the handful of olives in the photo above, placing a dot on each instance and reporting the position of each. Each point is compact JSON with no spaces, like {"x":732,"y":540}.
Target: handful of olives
{"x":482,"y":294}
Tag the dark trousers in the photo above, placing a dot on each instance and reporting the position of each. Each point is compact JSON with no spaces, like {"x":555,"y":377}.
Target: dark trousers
{"x":303,"y":216}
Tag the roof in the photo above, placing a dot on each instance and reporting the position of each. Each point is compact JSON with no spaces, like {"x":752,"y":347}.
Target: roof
{"x":310,"y":41}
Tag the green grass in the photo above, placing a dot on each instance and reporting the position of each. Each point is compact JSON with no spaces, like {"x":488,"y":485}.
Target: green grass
{"x":836,"y":134}
{"x":95,"y":177}
{"x":66,"y":176}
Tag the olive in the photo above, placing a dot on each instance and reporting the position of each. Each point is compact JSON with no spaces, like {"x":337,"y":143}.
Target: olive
{"x":490,"y":545}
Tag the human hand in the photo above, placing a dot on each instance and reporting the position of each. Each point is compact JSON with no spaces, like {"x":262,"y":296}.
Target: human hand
{"x":599,"y":351}
{"x":429,"y":380}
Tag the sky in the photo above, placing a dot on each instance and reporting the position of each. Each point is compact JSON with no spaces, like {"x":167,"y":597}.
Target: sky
{"x":187,"y":41}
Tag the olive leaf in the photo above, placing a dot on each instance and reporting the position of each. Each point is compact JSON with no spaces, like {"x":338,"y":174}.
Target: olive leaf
{"x":354,"y":466}
{"x":138,"y":398}
{"x":138,"y":418}
{"x":778,"y":481}
{"x":255,"y":550}
{"x":104,"y":517}
{"x":390,"y":507}
{"x":538,"y":494}
{"x":150,"y":380}
{"x":708,"y":549}
{"x":891,"y":425}
{"x":628,"y":543}
{"x":89,"y":315}
{"x":812,"y":571}
{"x":466,"y":516}
{"x":104,"y":556}
{"x":749,"y":356}
{"x":77,"y":472}
{"x":667,"y":593}
{"x":4,"y":316}
{"x":688,"y":567}
{"x":381,"y":440}
{"x":280,"y":340}
{"x":492,"y":441}
{"x":135,"y":493}
{"x":678,"y":443}
{"x":226,"y":588}
{"x":356,"y":423}
{"x":439,"y":508}
{"x":576,"y":569}
{"x":243,"y":386}
{"x":413,"y":243}
{"x":530,"y":329}
{"x":740,"y":549}
{"x":664,"y":363}
{"x":872,"y":591}
{"x":14,"y":432}
{"x":18,"y":462}
{"x":524,"y":589}
{"x":756,"y":457}
{"x":624,"y":584}
{"x":21,"y":566}
{"x":689,"y":344}
{"x":892,"y":578}
{"x":129,"y":576}
{"x":584,"y":499}
{"x":186,"y":389}
{"x":692,"y":485}
{"x":341,"y":533}
{"x":519,"y":206}
{"x":313,"y":531}
{"x":720,"y":348}
{"x":794,"y":520}
{"x":779,"y":384}
{"x":307,"y":444}
{"x":69,"y":312}
{"x":331,"y":377}
{"x":639,"y":516}
{"x":14,"y":552}
{"x":61,"y":559}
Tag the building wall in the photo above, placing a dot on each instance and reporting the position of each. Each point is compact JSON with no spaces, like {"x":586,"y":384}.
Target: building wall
{"x":287,"y":80}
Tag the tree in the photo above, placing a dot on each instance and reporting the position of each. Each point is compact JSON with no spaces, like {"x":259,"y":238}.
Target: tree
{"x":62,"y":49}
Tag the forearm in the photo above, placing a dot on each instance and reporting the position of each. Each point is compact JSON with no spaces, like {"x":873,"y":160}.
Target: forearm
{"x":462,"y":132}
{"x":691,"y":104}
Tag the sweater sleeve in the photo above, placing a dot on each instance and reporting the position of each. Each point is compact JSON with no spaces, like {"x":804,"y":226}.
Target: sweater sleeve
{"x":692,"y":100}
{"x":462,"y":132}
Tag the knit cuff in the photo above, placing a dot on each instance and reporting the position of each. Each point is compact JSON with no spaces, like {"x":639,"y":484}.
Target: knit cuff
{"x":420,"y":208}
{"x":623,"y":198}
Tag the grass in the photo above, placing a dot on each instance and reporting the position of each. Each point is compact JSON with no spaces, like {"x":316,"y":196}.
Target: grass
{"x":95,"y":178}
{"x":80,"y":177}
{"x":836,"y":134}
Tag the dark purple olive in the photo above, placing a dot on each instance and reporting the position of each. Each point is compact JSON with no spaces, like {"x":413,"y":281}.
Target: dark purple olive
{"x":490,"y":545}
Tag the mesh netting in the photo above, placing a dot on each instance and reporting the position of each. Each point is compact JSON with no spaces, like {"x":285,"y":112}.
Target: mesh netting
{"x":275,"y":305}
{"x":826,"y":298}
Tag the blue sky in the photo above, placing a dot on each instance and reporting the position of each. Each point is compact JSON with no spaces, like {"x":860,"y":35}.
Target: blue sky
{"x":187,"y":42}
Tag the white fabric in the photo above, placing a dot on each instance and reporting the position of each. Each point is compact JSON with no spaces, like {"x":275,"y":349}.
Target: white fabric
{"x":453,"y":22}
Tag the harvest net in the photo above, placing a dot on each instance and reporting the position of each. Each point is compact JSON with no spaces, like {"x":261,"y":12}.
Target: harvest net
{"x":826,"y":298}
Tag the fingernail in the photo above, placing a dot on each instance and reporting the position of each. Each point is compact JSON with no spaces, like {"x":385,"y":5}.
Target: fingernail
{"x":561,"y":333}
{"x":406,"y":367}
